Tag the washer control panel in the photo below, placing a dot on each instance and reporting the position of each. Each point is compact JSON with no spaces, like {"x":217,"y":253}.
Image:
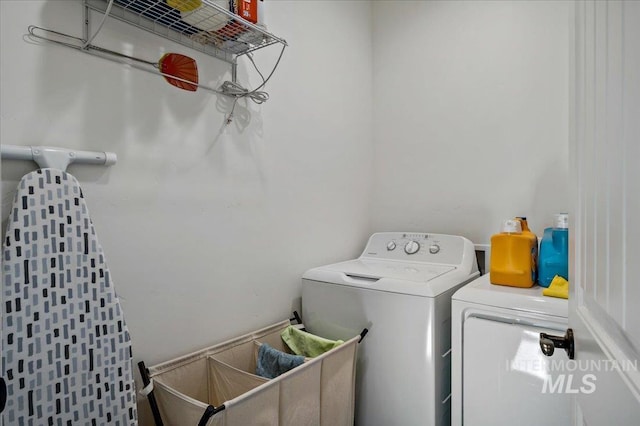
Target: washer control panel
{"x":418,"y":247}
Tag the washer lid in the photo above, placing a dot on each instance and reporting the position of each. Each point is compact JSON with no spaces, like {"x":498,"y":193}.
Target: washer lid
{"x":378,"y":269}
{"x":482,"y":292}
{"x":412,"y":278}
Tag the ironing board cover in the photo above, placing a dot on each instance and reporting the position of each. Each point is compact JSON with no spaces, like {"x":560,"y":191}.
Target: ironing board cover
{"x":66,"y":351}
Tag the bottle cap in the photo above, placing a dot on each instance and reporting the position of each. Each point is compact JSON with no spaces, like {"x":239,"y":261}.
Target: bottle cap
{"x":561,"y":220}
{"x":512,"y":226}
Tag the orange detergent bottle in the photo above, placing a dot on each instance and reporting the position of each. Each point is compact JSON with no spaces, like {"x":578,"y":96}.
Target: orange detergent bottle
{"x":514,"y":254}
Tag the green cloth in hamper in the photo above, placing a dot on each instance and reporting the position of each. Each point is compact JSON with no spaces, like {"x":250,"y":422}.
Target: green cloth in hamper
{"x":306,"y":344}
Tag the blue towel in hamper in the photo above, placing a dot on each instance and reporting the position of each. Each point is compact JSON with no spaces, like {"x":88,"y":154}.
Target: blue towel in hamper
{"x":271,"y":362}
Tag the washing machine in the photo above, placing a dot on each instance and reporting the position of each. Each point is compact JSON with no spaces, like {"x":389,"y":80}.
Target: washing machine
{"x":500,"y":376}
{"x":400,"y":290}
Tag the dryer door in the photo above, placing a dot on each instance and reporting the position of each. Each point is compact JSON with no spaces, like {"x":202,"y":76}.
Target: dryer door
{"x":506,"y":378}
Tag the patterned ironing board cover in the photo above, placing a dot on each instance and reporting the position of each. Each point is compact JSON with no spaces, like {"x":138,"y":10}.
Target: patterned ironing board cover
{"x":66,"y":351}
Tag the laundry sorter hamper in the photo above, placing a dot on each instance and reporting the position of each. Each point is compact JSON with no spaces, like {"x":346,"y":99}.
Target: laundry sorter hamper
{"x":216,"y":386}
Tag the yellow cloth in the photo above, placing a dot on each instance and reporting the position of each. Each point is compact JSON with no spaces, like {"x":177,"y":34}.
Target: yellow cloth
{"x":185,"y":5}
{"x":307,"y":344}
{"x":559,"y":287}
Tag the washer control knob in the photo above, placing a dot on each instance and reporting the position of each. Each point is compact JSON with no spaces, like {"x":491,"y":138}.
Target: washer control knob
{"x":391,"y":245}
{"x":412,"y":247}
{"x":434,"y":248}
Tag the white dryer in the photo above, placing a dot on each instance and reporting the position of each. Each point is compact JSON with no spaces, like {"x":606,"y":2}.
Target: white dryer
{"x":500,"y":375}
{"x":400,"y":289}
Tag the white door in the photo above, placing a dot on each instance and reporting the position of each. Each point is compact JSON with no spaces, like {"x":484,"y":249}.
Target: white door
{"x":605,"y":255}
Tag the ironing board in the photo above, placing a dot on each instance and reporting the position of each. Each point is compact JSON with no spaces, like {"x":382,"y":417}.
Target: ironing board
{"x":66,"y":351}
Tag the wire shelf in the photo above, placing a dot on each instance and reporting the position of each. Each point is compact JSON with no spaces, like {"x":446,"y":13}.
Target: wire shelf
{"x":209,"y":28}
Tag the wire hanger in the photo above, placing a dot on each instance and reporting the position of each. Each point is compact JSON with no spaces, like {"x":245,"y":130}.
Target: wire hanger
{"x":82,"y":45}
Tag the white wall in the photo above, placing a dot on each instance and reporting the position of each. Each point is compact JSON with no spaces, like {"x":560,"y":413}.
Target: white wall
{"x":206,"y":231}
{"x":470,"y":115}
